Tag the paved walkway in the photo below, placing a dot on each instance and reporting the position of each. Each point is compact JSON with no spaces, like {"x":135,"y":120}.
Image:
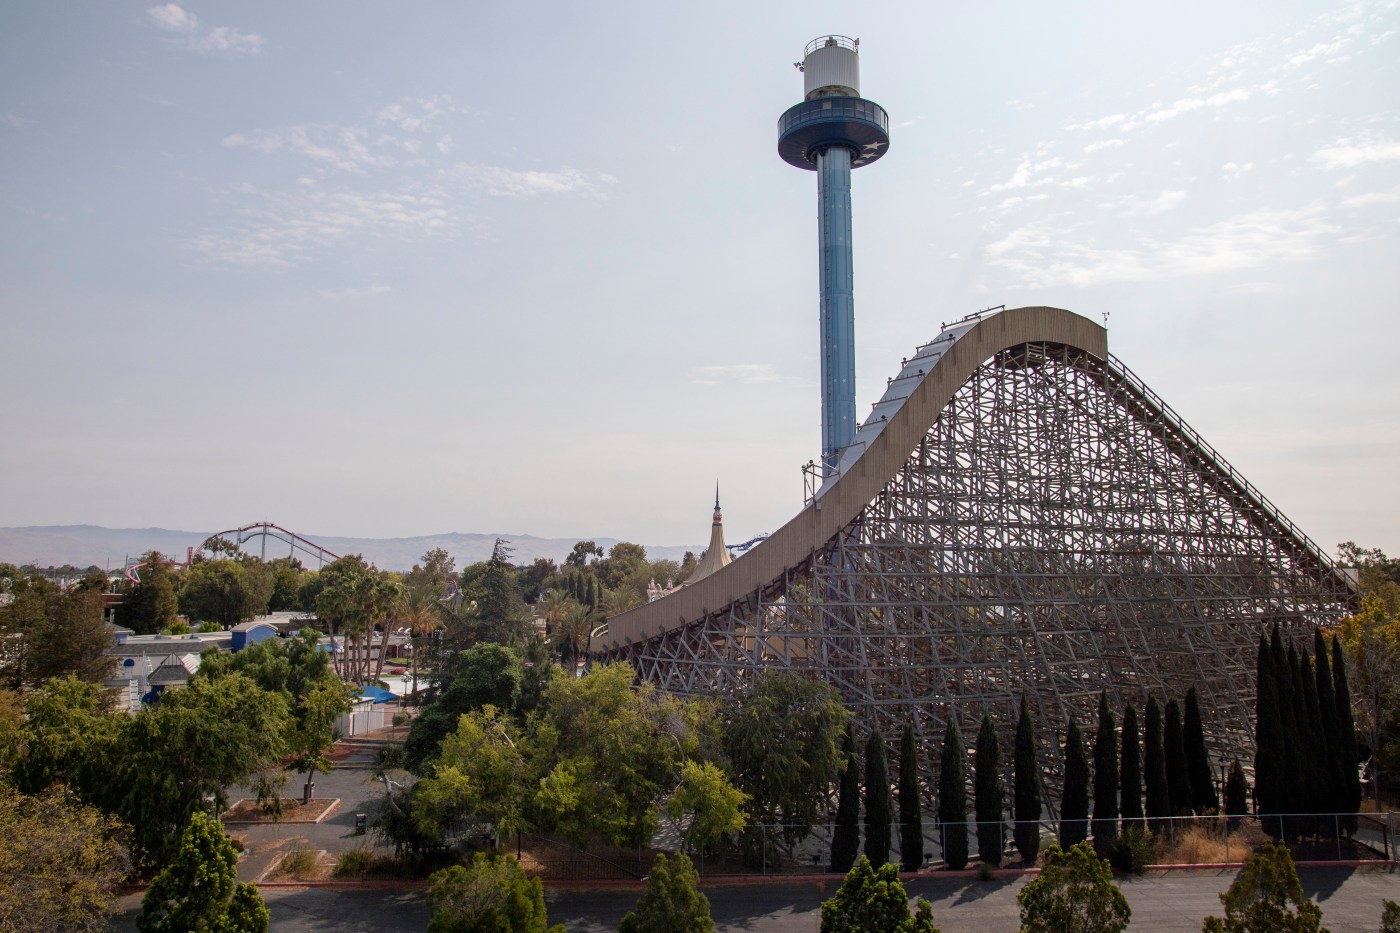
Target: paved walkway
{"x":1174,"y":901}
{"x":350,"y":781}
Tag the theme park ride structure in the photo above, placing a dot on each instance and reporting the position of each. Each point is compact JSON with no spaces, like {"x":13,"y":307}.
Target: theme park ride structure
{"x":1018,"y":515}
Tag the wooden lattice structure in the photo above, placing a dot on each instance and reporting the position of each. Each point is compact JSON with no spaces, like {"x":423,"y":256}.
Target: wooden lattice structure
{"x":1019,"y":515}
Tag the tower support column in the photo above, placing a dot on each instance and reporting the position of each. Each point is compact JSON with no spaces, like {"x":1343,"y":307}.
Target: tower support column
{"x":838,"y":313}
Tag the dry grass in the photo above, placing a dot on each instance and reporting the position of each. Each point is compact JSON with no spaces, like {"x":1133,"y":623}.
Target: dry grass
{"x":301,"y":865}
{"x":1201,"y":845}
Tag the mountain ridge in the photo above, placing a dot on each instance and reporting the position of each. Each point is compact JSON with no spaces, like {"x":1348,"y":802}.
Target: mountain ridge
{"x":88,"y":545}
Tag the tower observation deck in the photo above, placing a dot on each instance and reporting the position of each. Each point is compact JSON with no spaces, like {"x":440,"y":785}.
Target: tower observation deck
{"x":832,"y":131}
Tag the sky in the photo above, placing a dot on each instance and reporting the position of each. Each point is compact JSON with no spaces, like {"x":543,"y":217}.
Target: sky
{"x":379,"y":270}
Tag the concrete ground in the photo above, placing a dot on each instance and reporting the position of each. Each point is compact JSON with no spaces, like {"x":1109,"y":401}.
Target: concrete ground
{"x":1174,"y":901}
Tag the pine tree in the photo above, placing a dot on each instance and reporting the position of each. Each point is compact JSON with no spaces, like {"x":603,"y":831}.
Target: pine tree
{"x":1158,"y":799}
{"x":1174,"y":752}
{"x":845,"y":836}
{"x":1305,"y":758}
{"x":952,"y":798}
{"x":1074,"y":798}
{"x":1130,"y":773}
{"x":877,"y":801}
{"x":1346,"y":732}
{"x":1198,"y":771}
{"x":911,"y":818}
{"x":1027,"y":788}
{"x":1319,"y":765}
{"x":1105,"y":779}
{"x":671,"y":903}
{"x":991,"y":793}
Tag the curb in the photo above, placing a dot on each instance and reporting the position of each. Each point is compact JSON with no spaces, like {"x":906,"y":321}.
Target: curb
{"x":332,"y":808}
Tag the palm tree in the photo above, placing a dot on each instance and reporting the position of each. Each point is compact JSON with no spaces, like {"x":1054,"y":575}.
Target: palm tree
{"x":386,"y":603}
{"x":571,"y":636}
{"x":420,"y":612}
{"x":620,"y":600}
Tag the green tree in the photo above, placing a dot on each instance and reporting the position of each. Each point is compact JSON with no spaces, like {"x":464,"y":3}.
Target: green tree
{"x":1236,"y":794}
{"x":845,"y":835}
{"x":227,"y":591}
{"x":872,"y":900}
{"x":1270,"y":759}
{"x":60,"y":862}
{"x":672,"y":902}
{"x":607,"y":751}
{"x":51,"y":632}
{"x":1372,"y":667}
{"x":1390,"y":918}
{"x":878,"y":809}
{"x":1105,"y":825}
{"x":1158,"y":799}
{"x":1331,"y":766}
{"x":1267,"y":897}
{"x":492,"y":895}
{"x":1174,"y":752}
{"x":911,"y":818}
{"x":781,"y":738}
{"x":1073,"y":892}
{"x":502,"y":614}
{"x":151,"y":604}
{"x":1130,"y":773}
{"x":952,"y":798}
{"x":1074,"y":798}
{"x":989,"y":792}
{"x":198,"y":890}
{"x":1346,"y":731}
{"x":1198,"y":772}
{"x":705,"y":805}
{"x":1026,"y":781}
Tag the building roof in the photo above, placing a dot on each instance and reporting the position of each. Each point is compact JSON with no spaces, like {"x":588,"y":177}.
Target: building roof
{"x":717,"y":555}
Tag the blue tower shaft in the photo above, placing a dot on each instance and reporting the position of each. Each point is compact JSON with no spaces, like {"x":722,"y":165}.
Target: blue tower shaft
{"x":838,"y":316}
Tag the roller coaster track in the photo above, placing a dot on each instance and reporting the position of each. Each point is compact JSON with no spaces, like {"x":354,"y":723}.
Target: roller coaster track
{"x":240,"y":536}
{"x":1019,"y":515}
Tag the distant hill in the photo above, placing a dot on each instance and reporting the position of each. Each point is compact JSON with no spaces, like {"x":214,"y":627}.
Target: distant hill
{"x":86,"y":545}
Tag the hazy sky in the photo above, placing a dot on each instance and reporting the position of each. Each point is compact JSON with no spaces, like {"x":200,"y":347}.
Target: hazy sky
{"x":390,"y":269}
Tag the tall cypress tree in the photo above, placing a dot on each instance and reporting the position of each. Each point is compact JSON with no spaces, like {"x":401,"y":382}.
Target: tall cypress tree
{"x":845,"y":835}
{"x":952,"y":798}
{"x":1334,"y":794}
{"x":991,"y":793}
{"x":1027,"y":788}
{"x":1198,"y":771}
{"x":1320,"y":771}
{"x":1346,"y":732}
{"x":1155,"y":770}
{"x":1305,"y":758}
{"x":1105,"y":779}
{"x":1130,"y":772}
{"x":1074,"y":797}
{"x":911,"y":818}
{"x":1236,"y":797}
{"x":1270,"y":762}
{"x":1283,"y":683}
{"x":877,"y":801}
{"x":1174,"y":751}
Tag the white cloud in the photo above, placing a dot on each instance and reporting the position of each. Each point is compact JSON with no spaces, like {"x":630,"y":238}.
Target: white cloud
{"x":1043,"y":257}
{"x":173,"y":18}
{"x":1374,"y":197}
{"x":345,"y":148}
{"x":1349,"y":153}
{"x":289,"y":229}
{"x":1162,"y":203}
{"x":509,"y":182}
{"x":743,"y":373}
{"x":1101,"y":145}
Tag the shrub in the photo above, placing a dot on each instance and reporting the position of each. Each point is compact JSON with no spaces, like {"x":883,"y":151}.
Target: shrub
{"x":871,"y":900}
{"x":671,"y":903}
{"x":300,"y":864}
{"x":986,"y":871}
{"x":1131,"y":853}
{"x":490,"y":894}
{"x":1390,"y":919}
{"x":1074,"y":891}
{"x":353,"y":864}
{"x":1266,"y":896}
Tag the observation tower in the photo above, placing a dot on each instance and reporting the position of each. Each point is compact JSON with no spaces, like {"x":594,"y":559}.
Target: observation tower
{"x":832,"y":131}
